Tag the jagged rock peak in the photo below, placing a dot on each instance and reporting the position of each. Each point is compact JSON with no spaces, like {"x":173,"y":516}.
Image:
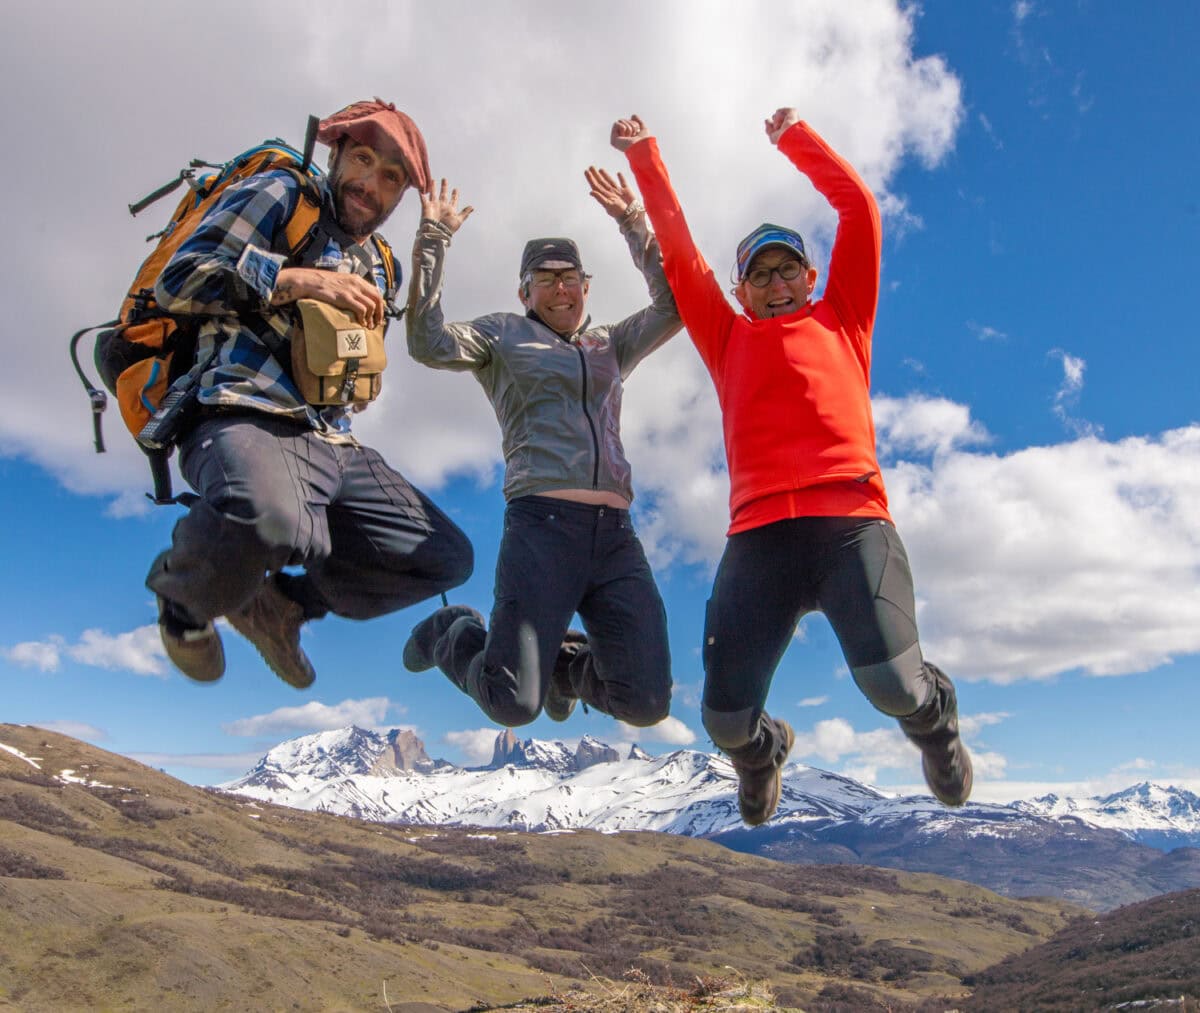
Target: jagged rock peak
{"x":636,"y":752}
{"x":507,"y":750}
{"x":511,"y":751}
{"x":404,"y":751}
{"x":592,"y":751}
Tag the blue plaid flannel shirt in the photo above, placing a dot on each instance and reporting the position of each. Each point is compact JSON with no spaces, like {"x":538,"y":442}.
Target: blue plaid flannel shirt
{"x":231,"y":262}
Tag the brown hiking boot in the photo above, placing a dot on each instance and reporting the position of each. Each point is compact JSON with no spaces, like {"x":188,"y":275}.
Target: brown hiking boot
{"x":271,"y":622}
{"x":761,"y":786}
{"x":933,"y":729}
{"x":197,"y":653}
{"x":561,"y":696}
{"x":195,"y":650}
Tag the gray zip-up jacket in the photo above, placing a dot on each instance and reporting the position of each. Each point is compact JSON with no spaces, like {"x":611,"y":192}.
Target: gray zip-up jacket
{"x":558,"y":400}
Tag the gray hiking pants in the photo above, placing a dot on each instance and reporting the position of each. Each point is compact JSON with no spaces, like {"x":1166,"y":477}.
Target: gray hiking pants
{"x":856,"y":571}
{"x":273,"y":493}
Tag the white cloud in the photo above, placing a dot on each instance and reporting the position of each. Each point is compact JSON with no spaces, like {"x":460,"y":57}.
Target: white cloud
{"x":813,"y":701}
{"x":1084,"y":555}
{"x":1066,"y":398}
{"x":835,"y":744}
{"x":986,"y":333}
{"x":971,"y":724}
{"x":478,"y":745}
{"x":991,"y":132}
{"x":139,"y":651}
{"x":669,"y":730}
{"x":75,"y":729}
{"x":44,"y":655}
{"x":1137,"y":763}
{"x":316,"y":717}
{"x":923,"y":425}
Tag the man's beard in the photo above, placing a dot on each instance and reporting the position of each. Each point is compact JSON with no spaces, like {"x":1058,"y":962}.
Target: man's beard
{"x":356,"y":223}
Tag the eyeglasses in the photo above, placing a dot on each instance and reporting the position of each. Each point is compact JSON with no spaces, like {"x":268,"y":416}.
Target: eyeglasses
{"x":548,"y":279}
{"x":760,"y":277}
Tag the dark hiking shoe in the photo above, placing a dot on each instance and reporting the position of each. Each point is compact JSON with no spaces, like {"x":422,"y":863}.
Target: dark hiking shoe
{"x":271,"y":622}
{"x":196,"y":652}
{"x":418,"y":649}
{"x":948,"y":773}
{"x":761,"y":786}
{"x":933,"y":729}
{"x":561,"y":697}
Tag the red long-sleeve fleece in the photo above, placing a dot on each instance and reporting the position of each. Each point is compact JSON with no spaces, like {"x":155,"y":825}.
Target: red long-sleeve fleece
{"x":794,"y":390}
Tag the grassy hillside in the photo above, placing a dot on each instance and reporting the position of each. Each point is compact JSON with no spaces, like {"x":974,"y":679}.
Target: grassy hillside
{"x":132,"y":890}
{"x":1142,"y":953}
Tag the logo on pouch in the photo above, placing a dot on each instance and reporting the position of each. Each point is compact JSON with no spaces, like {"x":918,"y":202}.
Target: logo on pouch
{"x":351,"y":344}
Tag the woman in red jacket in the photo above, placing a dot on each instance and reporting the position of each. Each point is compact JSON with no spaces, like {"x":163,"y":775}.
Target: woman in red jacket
{"x":809,"y":527}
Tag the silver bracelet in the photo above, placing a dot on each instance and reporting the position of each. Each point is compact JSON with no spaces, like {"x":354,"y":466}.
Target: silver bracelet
{"x":635,"y":207}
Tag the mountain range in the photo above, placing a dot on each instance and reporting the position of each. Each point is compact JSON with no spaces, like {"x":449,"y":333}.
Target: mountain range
{"x":121,"y":887}
{"x":1098,"y":852}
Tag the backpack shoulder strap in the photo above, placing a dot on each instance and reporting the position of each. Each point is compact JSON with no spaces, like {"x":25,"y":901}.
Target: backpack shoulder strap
{"x":301,"y":228}
{"x":389,"y":265}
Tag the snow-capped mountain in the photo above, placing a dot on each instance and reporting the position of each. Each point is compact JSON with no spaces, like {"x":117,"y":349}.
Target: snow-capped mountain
{"x":538,"y":785}
{"x":1163,"y":817}
{"x":1093,"y":851}
{"x":531,"y":785}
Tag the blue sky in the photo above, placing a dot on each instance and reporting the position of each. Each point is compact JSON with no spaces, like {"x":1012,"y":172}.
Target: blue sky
{"x":1034,"y":360}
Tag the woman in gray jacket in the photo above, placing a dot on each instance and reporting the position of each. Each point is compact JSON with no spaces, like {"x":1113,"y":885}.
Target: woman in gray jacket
{"x":554,"y":382}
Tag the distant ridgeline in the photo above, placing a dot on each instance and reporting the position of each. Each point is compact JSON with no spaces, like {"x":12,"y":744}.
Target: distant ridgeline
{"x":1100,"y":853}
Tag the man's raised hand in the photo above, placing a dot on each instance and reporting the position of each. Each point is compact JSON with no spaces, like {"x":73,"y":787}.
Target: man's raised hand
{"x":442,"y":207}
{"x":779,"y":122}
{"x":614,"y":195}
{"x":626,"y":133}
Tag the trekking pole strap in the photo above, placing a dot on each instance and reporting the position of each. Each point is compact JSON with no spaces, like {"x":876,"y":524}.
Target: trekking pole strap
{"x":162,"y":191}
{"x":97,"y":397}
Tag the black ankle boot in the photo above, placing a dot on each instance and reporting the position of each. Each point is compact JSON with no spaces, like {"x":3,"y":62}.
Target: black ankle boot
{"x":759,"y":767}
{"x":561,"y":696}
{"x":418,"y":650}
{"x":934,"y":730}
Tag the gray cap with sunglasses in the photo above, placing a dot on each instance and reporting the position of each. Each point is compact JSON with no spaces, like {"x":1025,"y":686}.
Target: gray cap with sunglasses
{"x":552,"y":254}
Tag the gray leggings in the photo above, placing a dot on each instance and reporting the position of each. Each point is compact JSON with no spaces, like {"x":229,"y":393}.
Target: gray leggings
{"x":855,"y":570}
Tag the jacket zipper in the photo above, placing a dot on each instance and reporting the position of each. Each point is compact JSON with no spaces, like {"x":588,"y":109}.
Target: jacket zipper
{"x":591,"y":424}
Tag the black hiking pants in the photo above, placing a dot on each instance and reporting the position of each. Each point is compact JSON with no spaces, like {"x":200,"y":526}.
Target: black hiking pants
{"x":557,"y":558}
{"x":856,"y":571}
{"x":273,"y":493}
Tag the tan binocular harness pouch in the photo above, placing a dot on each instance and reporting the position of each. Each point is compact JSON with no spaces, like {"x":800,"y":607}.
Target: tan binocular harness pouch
{"x":337,"y":360}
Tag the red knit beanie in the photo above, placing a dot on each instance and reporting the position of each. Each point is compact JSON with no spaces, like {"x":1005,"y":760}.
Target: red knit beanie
{"x":382,"y":126}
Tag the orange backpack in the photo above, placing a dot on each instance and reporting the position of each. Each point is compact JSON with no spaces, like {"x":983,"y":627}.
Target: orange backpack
{"x":141,"y":353}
